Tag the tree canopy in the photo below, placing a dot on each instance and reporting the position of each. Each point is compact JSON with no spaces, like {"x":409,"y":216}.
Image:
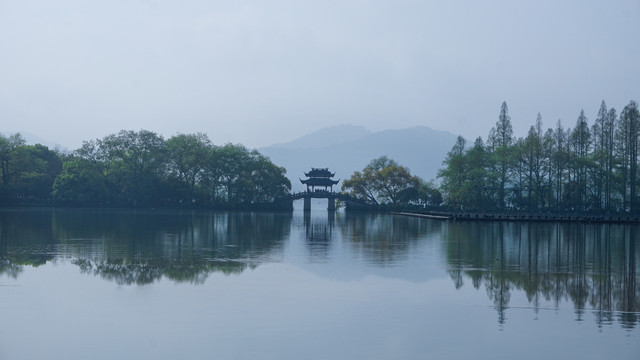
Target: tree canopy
{"x":587,"y":168}
{"x":141,"y":168}
{"x":385,"y":182}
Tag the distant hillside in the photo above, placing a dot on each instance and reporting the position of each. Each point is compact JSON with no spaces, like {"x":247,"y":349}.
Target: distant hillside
{"x":326,"y":137}
{"x":345,"y":149}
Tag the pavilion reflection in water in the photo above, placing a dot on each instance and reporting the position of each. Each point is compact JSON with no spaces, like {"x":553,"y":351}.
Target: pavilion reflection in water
{"x":319,"y":234}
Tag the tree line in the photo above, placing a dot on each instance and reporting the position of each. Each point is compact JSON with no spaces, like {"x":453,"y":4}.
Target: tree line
{"x":141,"y":168}
{"x":587,"y":168}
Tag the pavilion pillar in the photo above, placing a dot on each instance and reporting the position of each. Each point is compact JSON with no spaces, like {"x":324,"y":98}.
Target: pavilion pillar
{"x":307,"y":204}
{"x":332,"y":204}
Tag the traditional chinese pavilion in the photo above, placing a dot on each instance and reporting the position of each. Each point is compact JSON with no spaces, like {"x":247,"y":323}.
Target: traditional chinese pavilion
{"x":319,"y":178}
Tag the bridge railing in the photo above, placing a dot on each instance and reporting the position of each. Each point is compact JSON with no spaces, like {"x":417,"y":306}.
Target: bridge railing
{"x":321,"y":193}
{"x":301,"y":194}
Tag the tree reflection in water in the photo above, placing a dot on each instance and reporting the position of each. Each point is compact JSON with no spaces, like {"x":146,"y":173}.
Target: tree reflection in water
{"x":384,"y":239}
{"x":593,"y":266}
{"x":380,"y":239}
{"x":140,"y":247}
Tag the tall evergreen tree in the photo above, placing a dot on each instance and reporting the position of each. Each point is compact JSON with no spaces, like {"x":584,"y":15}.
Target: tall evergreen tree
{"x":597,"y":177}
{"x":629,"y":133}
{"x":548,"y":145}
{"x":502,"y":140}
{"x":477,"y":185}
{"x":581,"y":144}
{"x":609,"y":148}
{"x":532,"y":156}
{"x":454,"y":174}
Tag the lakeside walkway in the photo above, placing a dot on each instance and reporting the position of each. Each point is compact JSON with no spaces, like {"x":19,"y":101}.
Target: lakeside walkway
{"x":538,"y":217}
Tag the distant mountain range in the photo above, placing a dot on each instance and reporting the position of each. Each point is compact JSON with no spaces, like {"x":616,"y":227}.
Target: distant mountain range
{"x":345,"y":148}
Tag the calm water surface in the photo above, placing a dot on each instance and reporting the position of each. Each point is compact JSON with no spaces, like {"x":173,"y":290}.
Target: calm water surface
{"x":90,"y":284}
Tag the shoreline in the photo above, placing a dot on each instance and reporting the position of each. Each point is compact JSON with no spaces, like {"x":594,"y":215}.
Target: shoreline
{"x":525,"y":217}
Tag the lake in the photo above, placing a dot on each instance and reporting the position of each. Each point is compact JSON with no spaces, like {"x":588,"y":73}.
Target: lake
{"x":126,"y":284}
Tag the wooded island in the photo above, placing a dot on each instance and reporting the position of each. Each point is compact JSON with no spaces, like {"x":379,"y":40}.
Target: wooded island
{"x":141,"y":169}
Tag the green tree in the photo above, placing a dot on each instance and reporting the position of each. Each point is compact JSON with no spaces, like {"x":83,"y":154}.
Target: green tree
{"x":135,"y":162}
{"x":383,"y":181}
{"x":454,"y":173}
{"x":560,"y":162}
{"x":232,"y":160}
{"x":465,"y":179}
{"x":598,"y":175}
{"x":476,"y":189}
{"x":28,"y":171}
{"x":8,"y":146}
{"x":268,"y":180}
{"x":502,"y":140}
{"x":36,"y":168}
{"x":533,"y":161}
{"x":628,"y":133}
{"x":360,"y":186}
{"x":549,"y":144}
{"x":584,"y":169}
{"x":395,"y":184}
{"x":187,"y":156}
{"x":580,"y":140}
{"x":517,"y":195}
{"x":610,"y":159}
{"x":82,"y":181}
{"x":239,"y":177}
{"x":429,"y":194}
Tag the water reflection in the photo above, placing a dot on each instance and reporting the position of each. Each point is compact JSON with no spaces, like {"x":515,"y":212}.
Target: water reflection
{"x":140,"y":247}
{"x":385,"y":239}
{"x":593,"y":266}
{"x":319,"y":234}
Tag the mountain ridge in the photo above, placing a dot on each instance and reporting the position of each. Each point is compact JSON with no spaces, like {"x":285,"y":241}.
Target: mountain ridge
{"x":327,"y":136}
{"x":419,"y":148}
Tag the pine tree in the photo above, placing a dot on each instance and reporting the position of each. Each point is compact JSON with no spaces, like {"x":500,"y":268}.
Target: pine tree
{"x":609,"y":129}
{"x":503,"y":139}
{"x":581,"y":144}
{"x":630,"y":120}
{"x":597,"y":177}
{"x":560,"y":160}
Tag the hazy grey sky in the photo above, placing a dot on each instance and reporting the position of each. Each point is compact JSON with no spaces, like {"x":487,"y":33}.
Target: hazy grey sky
{"x":262,"y":72}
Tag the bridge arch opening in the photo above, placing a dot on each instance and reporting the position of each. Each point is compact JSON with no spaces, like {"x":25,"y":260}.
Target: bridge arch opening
{"x":306,"y":204}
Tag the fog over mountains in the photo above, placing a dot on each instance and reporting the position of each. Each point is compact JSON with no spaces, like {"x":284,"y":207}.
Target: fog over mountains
{"x":346,"y":148}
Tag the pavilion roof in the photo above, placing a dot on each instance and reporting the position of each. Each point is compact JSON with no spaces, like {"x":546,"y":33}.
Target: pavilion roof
{"x":319,"y":181}
{"x":320,"y":172}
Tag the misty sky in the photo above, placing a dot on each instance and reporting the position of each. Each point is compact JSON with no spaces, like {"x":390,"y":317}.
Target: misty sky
{"x":262,"y":72}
